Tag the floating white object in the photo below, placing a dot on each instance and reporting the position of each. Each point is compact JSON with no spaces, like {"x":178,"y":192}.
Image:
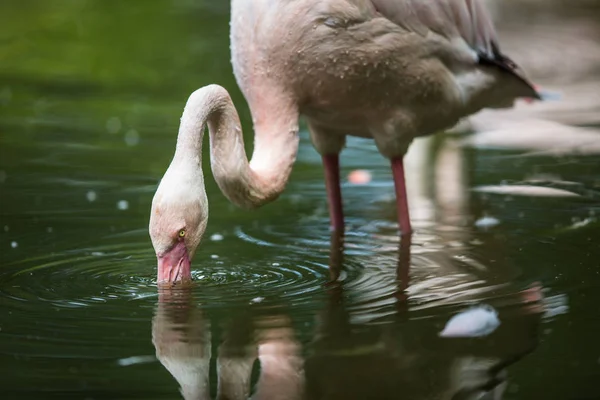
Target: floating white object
{"x":581,"y":224}
{"x":123,"y":205}
{"x":216,"y":237}
{"x":525,"y":190}
{"x":537,"y":136}
{"x":474,"y":322}
{"x":487,"y":222}
{"x":14,"y":245}
{"x":556,"y":305}
{"x":91,"y":196}
{"x":125,"y":362}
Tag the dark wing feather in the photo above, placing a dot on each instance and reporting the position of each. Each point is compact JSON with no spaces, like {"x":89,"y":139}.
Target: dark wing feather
{"x":466,"y":19}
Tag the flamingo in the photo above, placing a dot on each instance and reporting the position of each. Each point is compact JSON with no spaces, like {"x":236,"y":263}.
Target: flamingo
{"x":390,"y":70}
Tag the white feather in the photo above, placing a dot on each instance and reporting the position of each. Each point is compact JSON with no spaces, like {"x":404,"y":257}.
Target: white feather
{"x":474,"y":322}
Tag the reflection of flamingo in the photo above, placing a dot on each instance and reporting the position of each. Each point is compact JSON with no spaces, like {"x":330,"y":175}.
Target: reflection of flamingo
{"x":182,"y":338}
{"x":386,"y":359}
{"x":390,"y":70}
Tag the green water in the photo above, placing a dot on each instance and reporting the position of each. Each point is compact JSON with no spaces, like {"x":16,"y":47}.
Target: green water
{"x":91,"y":93}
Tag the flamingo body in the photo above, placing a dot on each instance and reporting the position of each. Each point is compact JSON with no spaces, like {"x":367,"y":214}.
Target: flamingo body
{"x":390,"y":70}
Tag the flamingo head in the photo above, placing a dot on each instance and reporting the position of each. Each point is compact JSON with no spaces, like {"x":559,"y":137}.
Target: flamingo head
{"x":177,"y":222}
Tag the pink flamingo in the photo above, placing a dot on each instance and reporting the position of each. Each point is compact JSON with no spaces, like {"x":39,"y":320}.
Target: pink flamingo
{"x":390,"y":70}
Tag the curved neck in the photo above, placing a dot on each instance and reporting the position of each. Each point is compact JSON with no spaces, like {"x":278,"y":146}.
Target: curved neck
{"x":248,"y":184}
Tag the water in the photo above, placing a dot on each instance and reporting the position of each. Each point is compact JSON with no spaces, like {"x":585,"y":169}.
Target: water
{"x":90,"y":97}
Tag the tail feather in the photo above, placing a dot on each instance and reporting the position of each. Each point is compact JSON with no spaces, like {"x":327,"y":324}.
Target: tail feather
{"x":499,"y":60}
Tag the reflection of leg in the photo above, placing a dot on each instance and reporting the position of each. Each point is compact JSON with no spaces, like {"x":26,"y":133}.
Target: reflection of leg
{"x":451,"y":182}
{"x":403,"y":272}
{"x":236,"y":358}
{"x":234,"y":377}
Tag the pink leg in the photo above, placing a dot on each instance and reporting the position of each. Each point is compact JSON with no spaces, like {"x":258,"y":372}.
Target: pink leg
{"x":331,"y":163}
{"x":401,"y":199}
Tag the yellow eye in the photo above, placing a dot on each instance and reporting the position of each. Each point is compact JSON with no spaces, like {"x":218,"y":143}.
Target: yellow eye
{"x":182,"y":233}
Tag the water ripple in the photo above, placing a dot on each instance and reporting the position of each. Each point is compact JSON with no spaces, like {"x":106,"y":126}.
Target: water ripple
{"x":90,"y":276}
{"x":81,"y":277}
{"x":221,"y":283}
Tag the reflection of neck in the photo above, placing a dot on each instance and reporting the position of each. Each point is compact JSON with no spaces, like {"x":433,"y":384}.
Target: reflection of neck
{"x":193,"y":379}
{"x":183,"y":345}
{"x":234,"y":377}
{"x":182,"y":342}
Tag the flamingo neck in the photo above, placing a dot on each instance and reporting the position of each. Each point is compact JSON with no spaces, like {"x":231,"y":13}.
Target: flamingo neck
{"x":248,"y":184}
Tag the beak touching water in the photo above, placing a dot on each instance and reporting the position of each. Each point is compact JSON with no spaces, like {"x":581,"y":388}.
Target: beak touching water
{"x":174,"y":265}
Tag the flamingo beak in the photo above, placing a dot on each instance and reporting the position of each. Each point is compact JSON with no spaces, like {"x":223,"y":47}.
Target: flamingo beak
{"x":174,"y":265}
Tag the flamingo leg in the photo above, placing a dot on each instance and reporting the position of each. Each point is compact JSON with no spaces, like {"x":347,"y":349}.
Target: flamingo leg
{"x":401,"y":198}
{"x":331,"y":162}
{"x":336,"y":257}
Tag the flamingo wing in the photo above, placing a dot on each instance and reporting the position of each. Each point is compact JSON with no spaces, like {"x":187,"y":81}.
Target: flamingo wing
{"x":468,"y":20}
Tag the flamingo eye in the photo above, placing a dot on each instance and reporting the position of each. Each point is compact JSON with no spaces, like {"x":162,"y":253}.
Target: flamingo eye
{"x":182,"y":233}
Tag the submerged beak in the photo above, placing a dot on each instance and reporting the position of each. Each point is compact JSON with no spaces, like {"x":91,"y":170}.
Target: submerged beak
{"x":174,"y":265}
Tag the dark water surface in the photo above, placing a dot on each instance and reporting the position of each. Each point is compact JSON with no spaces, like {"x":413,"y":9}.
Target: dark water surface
{"x":90,"y":98}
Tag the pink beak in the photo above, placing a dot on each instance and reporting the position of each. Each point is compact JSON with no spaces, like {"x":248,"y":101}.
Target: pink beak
{"x":174,"y":265}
